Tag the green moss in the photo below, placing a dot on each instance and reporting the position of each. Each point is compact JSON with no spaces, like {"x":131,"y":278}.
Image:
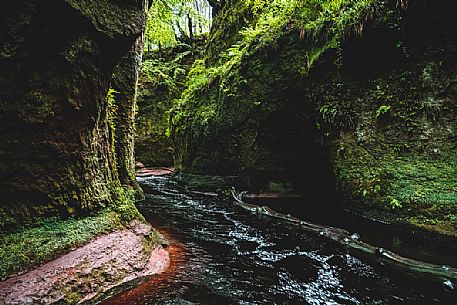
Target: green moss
{"x":324,"y":24}
{"x":124,"y":205}
{"x":161,"y":81}
{"x":151,"y":240}
{"x":263,"y":49}
{"x":279,"y":187}
{"x":298,"y":73}
{"x":30,"y":246}
{"x":420,"y":187}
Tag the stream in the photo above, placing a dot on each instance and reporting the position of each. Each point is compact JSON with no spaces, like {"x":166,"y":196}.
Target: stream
{"x":222,"y":254}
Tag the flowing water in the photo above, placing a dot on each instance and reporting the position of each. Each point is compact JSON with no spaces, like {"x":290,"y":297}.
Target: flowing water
{"x":222,"y":254}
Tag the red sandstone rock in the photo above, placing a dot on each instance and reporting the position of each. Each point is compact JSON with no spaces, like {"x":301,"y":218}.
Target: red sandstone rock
{"x":139,"y":165}
{"x":80,"y":275}
{"x":153,"y":287}
{"x":159,"y":171}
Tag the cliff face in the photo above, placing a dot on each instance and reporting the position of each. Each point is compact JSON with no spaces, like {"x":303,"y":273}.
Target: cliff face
{"x":125,"y":81}
{"x":365,"y":88}
{"x":57,"y":151}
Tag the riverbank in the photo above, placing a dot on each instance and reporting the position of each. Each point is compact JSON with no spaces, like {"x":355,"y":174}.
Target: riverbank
{"x":74,"y":259}
{"x":29,"y":245}
{"x":153,"y":285}
{"x":105,"y":262}
{"x":274,"y":189}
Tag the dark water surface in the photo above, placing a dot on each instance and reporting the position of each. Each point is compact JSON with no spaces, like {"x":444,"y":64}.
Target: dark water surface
{"x":230,"y":256}
{"x":406,"y":241}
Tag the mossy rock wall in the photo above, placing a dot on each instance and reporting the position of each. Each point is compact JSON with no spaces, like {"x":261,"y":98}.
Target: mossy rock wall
{"x":389,"y":118}
{"x":124,"y":84}
{"x":378,"y":103}
{"x":57,"y":58}
{"x":162,"y":80}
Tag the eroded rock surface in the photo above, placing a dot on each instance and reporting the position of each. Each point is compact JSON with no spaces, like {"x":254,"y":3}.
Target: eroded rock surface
{"x":80,"y":275}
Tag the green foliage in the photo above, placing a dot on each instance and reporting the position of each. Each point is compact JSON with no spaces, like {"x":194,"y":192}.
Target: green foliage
{"x":395,"y":203}
{"x":111,"y":101}
{"x":271,"y":48}
{"x":159,"y":29}
{"x":112,"y":108}
{"x":328,"y":112}
{"x":111,"y":111}
{"x":324,"y":24}
{"x":168,"y":19}
{"x":279,"y":187}
{"x":161,"y":81}
{"x":383,"y":109}
{"x":422,"y":189}
{"x":372,"y":187}
{"x":124,"y":206}
{"x":158,"y":73}
{"x":165,"y":72}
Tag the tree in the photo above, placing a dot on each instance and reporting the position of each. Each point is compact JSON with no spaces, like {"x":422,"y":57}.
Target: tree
{"x":216,"y":6}
{"x":170,"y":21}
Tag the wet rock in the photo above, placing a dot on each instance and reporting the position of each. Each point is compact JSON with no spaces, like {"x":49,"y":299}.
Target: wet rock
{"x":301,"y":267}
{"x":355,"y":237}
{"x":160,"y":171}
{"x":124,"y":82}
{"x":82,"y":274}
{"x":338,"y":261}
{"x":448,"y":285}
{"x":246,"y":245}
{"x":139,"y":165}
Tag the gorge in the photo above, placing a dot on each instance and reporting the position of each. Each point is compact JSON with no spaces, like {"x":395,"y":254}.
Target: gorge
{"x":340,"y":114}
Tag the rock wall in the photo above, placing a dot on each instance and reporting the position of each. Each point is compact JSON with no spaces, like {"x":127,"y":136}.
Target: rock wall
{"x":57,"y":58}
{"x":368,"y":92}
{"x":125,"y":81}
{"x":162,"y":80}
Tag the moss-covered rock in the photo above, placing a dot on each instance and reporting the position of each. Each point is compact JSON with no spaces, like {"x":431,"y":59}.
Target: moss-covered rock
{"x":83,"y":275}
{"x":162,"y":80}
{"x":366,"y":87}
{"x":66,"y":135}
{"x":30,"y":246}
{"x":124,"y":85}
{"x":57,"y":155}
